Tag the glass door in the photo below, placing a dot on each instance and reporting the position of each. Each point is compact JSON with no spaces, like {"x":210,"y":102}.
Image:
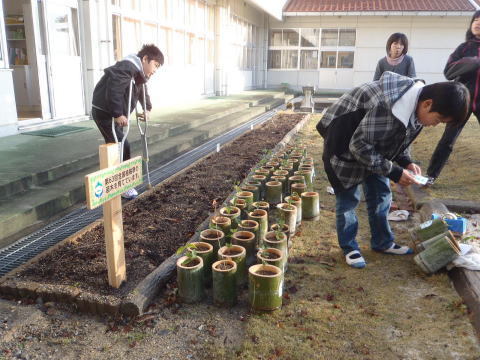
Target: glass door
{"x":64,"y":60}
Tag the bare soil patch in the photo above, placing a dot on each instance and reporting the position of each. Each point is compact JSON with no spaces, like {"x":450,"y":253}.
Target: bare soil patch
{"x":162,"y":220}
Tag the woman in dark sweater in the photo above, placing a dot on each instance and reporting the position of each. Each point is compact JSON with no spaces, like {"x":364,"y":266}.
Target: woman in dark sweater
{"x":397,"y":60}
{"x":463,"y":65}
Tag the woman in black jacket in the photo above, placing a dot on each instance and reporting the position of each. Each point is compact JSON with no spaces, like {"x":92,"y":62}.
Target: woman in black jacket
{"x":463,"y":65}
{"x":110,"y":97}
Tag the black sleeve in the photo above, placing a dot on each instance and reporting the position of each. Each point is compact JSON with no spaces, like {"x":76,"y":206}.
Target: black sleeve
{"x":117,"y":87}
{"x":458,"y":64}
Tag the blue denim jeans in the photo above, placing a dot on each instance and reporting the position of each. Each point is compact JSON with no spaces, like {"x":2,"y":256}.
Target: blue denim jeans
{"x":378,"y":198}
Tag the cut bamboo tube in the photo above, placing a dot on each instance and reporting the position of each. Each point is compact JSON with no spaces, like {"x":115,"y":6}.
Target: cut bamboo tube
{"x":190,"y":280}
{"x":265,"y":287}
{"x":437,"y":255}
{"x":224,"y":283}
{"x":310,"y":205}
{"x":238,"y":254}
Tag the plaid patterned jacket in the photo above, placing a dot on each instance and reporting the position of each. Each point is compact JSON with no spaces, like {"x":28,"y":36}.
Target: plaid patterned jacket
{"x":362,"y":136}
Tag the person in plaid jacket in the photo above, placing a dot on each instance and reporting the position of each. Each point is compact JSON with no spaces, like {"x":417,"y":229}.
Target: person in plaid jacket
{"x":366,"y":134}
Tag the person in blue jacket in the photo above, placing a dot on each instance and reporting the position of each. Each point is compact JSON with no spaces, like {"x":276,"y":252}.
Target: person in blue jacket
{"x":110,"y":96}
{"x":463,"y":66}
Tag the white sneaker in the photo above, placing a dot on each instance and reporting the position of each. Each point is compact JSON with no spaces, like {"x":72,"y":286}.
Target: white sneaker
{"x":130,"y":194}
{"x":355,"y":259}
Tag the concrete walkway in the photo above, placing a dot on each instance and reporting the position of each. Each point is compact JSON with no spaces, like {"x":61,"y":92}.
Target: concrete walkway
{"x":42,"y":176}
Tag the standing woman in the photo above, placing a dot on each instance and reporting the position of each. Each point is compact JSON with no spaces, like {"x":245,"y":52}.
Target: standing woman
{"x":397,"y":60}
{"x":463,"y":65}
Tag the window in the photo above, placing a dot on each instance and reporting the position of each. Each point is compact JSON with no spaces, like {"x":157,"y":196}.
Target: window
{"x":149,"y":35}
{"x":290,"y":38}
{"x":329,"y":37}
{"x":276,"y":38}
{"x":163,"y":9}
{"x":345,"y":59}
{"x":311,"y":49}
{"x":310,"y":37}
{"x":308,"y":59}
{"x":65,"y":36}
{"x":347,"y":37}
{"x":164,"y":42}
{"x":131,"y":36}
{"x":274,"y":59}
{"x":289,"y":59}
{"x":117,"y":37}
{"x":329,"y":59}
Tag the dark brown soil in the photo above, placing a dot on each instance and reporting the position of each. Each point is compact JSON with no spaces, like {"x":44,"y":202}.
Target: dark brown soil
{"x":269,"y":255}
{"x":265,"y":272}
{"x":232,"y":252}
{"x":190,"y":263}
{"x":224,"y":266}
{"x":200,"y":247}
{"x":159,"y":222}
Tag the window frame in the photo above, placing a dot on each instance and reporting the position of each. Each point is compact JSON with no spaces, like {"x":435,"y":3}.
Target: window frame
{"x":319,"y":48}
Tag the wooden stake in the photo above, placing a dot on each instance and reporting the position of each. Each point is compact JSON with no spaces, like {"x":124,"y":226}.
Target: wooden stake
{"x":113,"y":223}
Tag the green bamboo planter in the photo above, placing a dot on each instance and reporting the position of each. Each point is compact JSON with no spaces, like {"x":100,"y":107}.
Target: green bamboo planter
{"x":307,"y":175}
{"x":265,"y":284}
{"x":273,"y":192}
{"x":253,"y":189}
{"x":288,"y":167}
{"x":245,"y":195}
{"x":295,"y":179}
{"x":263,"y":172}
{"x":242,"y":205}
{"x":270,"y":169}
{"x":271,"y":256}
{"x":205,"y":251}
{"x":238,"y":254}
{"x":190,"y":280}
{"x":274,"y":164}
{"x":247,"y":240}
{"x":425,"y":244}
{"x":437,"y":255}
{"x":278,"y":242}
{"x":281,"y":179}
{"x":294,"y":162}
{"x":222,"y":223}
{"x":252,"y":226}
{"x":288,"y":213}
{"x":427,"y":230}
{"x":233,"y":213}
{"x":224,"y":283}
{"x":298,"y":188}
{"x":264,"y":205}
{"x":262,"y":179}
{"x":214,"y":237}
{"x":260,"y":216}
{"x":297,"y":201}
{"x":310,"y":205}
{"x":285,"y":229}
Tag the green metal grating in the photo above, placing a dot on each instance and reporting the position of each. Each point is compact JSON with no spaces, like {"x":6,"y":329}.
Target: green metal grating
{"x":57,"y":131}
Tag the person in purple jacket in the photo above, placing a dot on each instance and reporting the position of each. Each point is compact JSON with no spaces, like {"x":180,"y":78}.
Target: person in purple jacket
{"x":463,"y":66}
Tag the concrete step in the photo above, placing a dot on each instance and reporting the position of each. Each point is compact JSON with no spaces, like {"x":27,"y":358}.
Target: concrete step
{"x":159,"y":130}
{"x":39,"y":203}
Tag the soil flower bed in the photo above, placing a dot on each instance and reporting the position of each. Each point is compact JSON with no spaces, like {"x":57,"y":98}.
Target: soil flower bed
{"x":160,"y":221}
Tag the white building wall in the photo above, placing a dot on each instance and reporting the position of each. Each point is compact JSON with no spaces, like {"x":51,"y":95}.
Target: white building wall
{"x":431,"y":40}
{"x":179,"y":79}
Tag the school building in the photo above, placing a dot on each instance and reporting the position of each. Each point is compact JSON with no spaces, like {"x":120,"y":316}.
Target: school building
{"x":52,"y":52}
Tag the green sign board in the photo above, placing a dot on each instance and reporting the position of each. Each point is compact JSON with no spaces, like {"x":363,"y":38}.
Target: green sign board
{"x":103,"y":185}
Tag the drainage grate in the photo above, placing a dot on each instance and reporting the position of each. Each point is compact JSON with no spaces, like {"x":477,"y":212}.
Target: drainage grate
{"x":26,"y":248}
{"x":57,"y":131}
